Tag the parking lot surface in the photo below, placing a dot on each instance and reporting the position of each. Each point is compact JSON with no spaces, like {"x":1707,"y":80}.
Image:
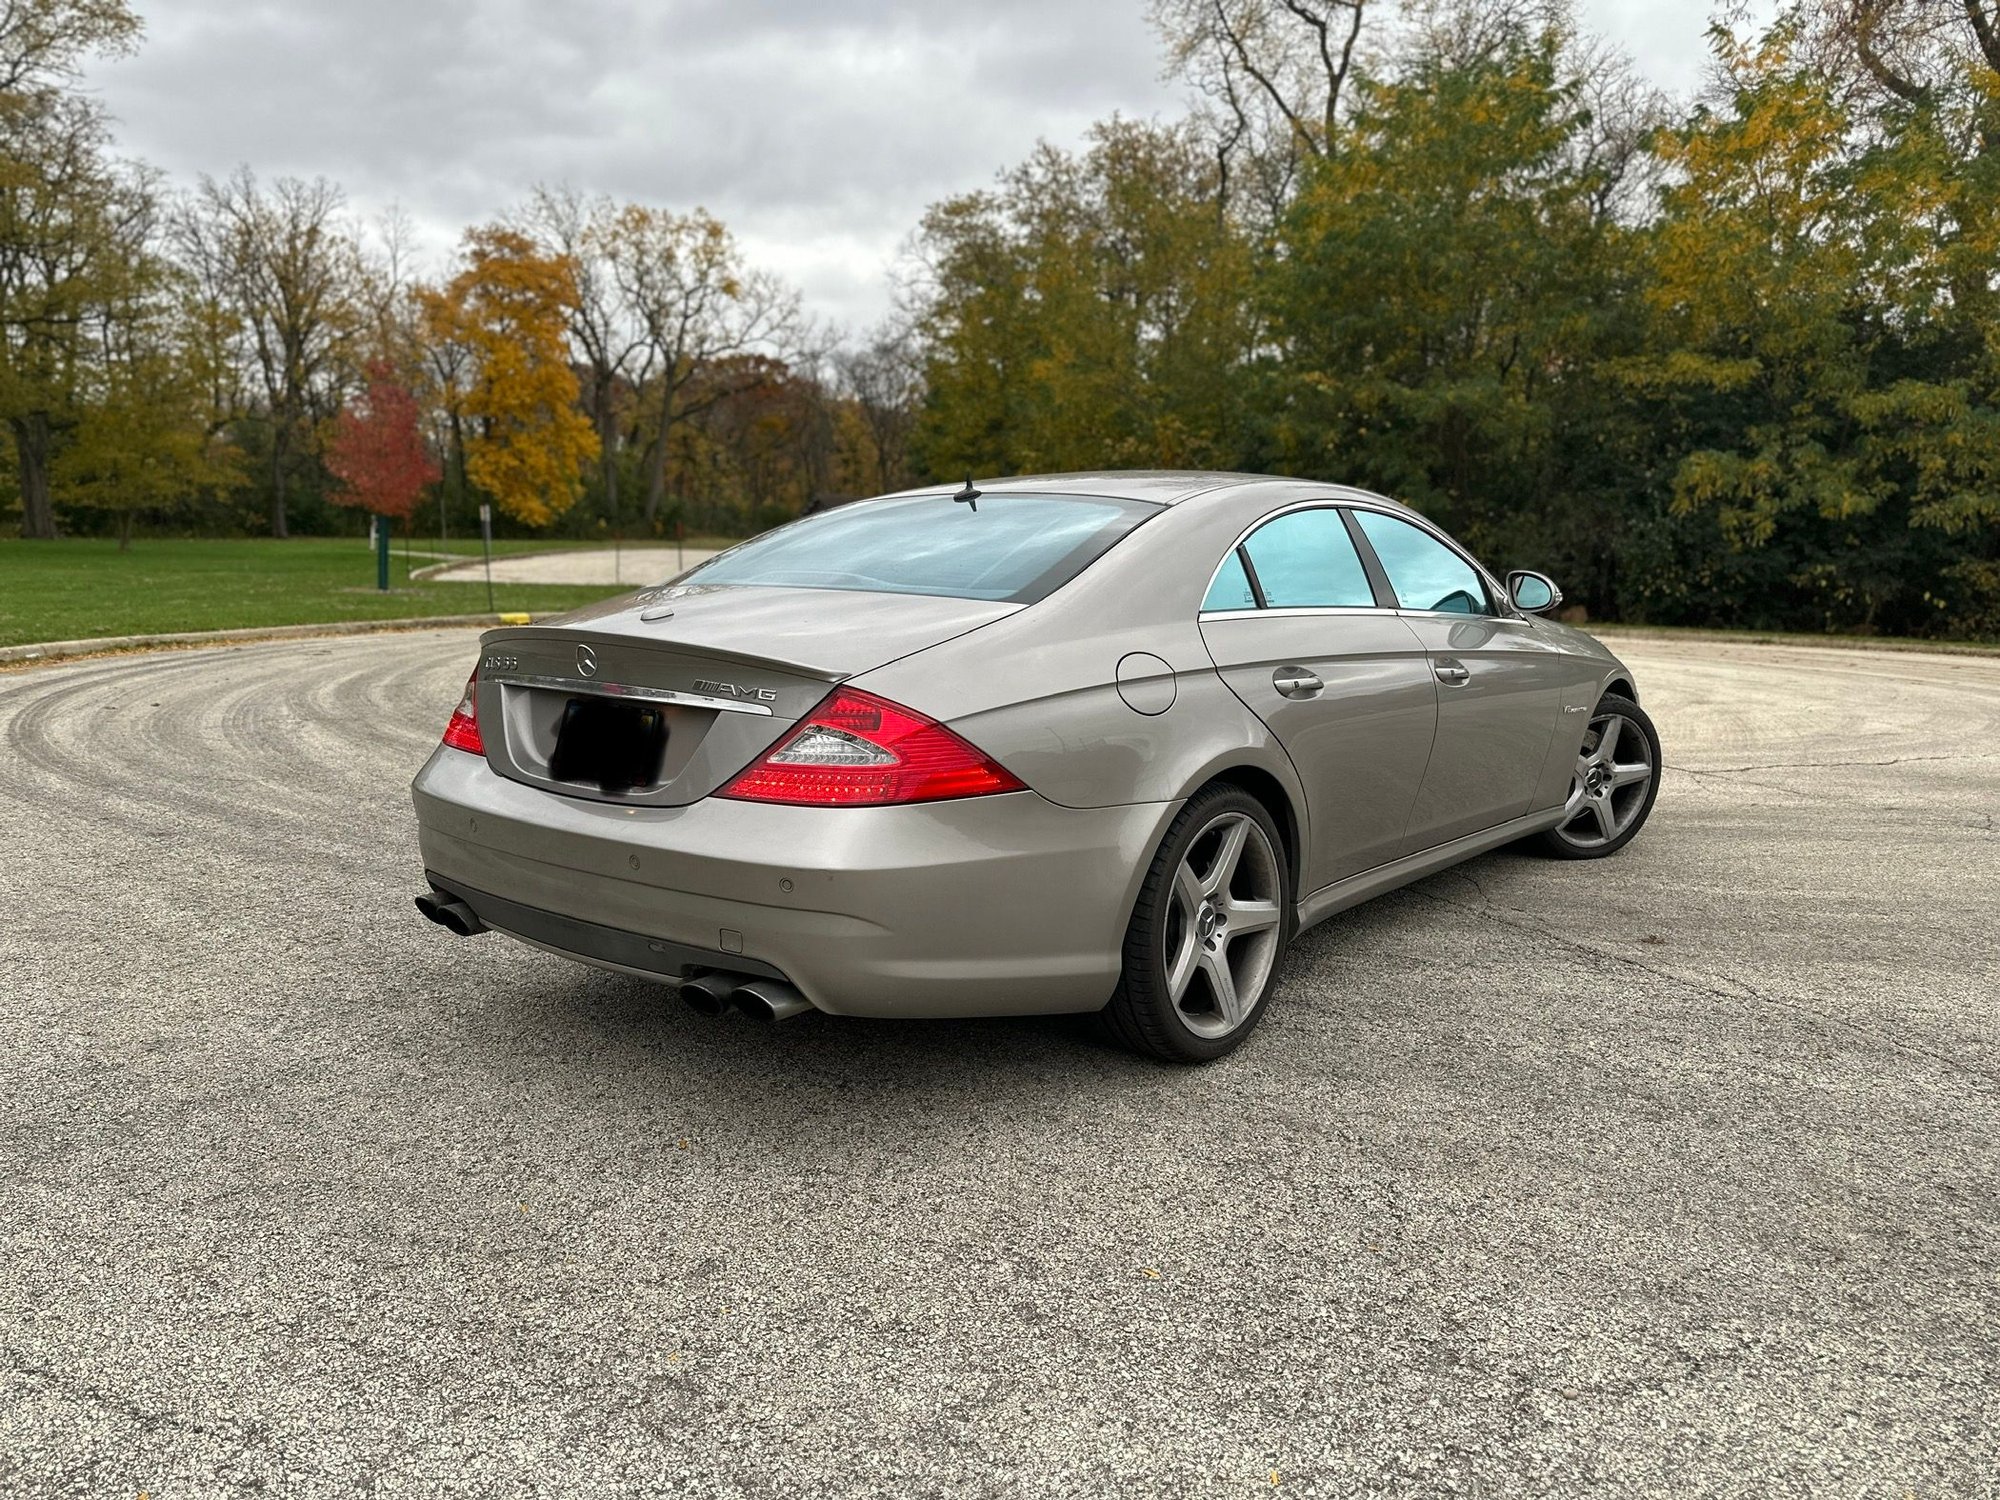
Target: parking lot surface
{"x":1672,"y":1174}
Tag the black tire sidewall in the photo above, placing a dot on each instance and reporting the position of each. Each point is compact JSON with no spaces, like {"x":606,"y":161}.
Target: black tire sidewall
{"x":1142,"y":1015}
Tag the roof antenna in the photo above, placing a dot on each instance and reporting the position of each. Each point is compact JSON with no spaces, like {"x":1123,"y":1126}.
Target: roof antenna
{"x":968,"y":495}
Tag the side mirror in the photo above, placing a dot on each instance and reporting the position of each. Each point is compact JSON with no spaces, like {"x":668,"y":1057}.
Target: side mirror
{"x":1533,"y":593}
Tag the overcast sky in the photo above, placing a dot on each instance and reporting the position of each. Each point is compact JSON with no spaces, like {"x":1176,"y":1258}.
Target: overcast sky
{"x":818,"y":131}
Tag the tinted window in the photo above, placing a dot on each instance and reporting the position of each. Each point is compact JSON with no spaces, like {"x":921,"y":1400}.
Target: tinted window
{"x":1014,"y":548}
{"x":1305,"y":558}
{"x":1231,"y":589}
{"x":1424,"y":572}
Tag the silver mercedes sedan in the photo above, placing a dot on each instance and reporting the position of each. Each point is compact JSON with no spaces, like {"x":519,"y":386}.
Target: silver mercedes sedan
{"x":1071,"y":743}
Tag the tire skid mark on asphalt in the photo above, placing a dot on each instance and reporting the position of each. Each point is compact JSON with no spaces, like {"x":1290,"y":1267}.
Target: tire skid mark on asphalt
{"x":250,"y":718}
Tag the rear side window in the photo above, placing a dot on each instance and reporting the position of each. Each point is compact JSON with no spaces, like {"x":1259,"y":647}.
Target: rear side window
{"x":1013,"y":549}
{"x":1231,"y":589}
{"x":1306,"y":559}
{"x":1424,"y":572}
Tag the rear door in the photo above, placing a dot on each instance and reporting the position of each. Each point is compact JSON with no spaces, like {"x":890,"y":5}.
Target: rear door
{"x":1297,"y":631}
{"x":1499,"y":684}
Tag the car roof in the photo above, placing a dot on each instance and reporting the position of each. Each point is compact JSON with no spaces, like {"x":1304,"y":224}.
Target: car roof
{"x":1160,"y":486}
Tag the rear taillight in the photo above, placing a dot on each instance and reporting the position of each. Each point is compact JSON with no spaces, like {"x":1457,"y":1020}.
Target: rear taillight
{"x":857,"y":750}
{"x":462,"y":733}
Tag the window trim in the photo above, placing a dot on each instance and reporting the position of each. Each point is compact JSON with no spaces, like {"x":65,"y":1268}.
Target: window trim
{"x":1378,"y":578}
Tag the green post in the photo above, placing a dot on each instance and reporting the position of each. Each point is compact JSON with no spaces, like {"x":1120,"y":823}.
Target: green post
{"x":486,"y":546}
{"x":382,"y":553}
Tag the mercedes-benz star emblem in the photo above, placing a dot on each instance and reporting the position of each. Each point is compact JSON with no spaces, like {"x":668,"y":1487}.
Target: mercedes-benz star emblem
{"x":586,"y":661}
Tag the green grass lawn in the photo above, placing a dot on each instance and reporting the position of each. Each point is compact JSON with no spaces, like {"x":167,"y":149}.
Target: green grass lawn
{"x":73,"y":589}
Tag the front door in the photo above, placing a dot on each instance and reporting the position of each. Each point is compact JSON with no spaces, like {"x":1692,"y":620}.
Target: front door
{"x":1499,"y":685}
{"x":1295,"y":630}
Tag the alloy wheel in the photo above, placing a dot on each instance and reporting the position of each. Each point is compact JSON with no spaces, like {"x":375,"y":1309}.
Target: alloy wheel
{"x":1608,"y":792}
{"x":1223,"y":925}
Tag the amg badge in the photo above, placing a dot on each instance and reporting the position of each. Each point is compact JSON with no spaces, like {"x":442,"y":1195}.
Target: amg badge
{"x":734,"y":690}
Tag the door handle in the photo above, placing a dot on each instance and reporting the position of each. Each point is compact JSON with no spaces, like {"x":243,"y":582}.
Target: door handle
{"x":1296,"y":682}
{"x":1451,"y":672}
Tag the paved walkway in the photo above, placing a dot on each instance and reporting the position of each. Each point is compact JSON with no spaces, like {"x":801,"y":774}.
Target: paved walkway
{"x":634,"y":565}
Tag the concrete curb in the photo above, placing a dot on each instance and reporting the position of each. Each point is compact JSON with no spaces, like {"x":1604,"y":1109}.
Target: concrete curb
{"x":45,"y":651}
{"x":1895,"y":645}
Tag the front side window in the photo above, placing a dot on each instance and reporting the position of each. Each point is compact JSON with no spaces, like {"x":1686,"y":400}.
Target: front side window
{"x":1305,"y":559}
{"x":1424,"y":572}
{"x":1013,"y":549}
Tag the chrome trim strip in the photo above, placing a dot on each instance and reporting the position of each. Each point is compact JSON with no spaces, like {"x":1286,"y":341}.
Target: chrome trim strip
{"x":1298,"y":609}
{"x":586,"y":687}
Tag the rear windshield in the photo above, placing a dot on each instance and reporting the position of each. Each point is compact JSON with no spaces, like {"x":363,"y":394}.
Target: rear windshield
{"x":1013,"y":548}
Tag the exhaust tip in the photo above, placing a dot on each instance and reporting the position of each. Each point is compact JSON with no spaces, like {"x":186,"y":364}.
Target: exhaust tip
{"x":770,"y":1000}
{"x":450,"y":914}
{"x":708,"y":994}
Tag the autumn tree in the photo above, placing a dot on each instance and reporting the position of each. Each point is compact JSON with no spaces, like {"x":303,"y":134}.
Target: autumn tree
{"x":1089,"y":312}
{"x":1824,"y":343}
{"x":286,"y":265}
{"x":508,"y":309}
{"x":610,"y":343}
{"x":1270,"y":78}
{"x":64,"y":209}
{"x":883,"y":376}
{"x":1445,"y":284}
{"x":700,"y":311}
{"x":377,"y":453}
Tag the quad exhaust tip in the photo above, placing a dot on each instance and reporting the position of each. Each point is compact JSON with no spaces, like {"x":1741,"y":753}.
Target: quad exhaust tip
{"x":708,"y":994}
{"x":770,"y":1000}
{"x":713,"y":993}
{"x":450,"y":912}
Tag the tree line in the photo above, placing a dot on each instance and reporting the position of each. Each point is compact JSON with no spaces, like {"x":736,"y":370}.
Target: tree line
{"x":247,"y":355}
{"x":1726,"y":360}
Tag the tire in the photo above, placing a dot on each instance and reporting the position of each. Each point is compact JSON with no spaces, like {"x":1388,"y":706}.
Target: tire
{"x":1609,"y":799}
{"x":1205,"y":943}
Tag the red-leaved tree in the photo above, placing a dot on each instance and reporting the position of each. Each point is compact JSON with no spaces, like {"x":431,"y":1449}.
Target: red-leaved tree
{"x":377,"y":452}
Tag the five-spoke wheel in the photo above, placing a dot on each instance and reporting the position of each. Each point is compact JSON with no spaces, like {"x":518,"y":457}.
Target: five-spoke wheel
{"x":1212,"y":920}
{"x":1612,"y":788}
{"x":1223,"y":924}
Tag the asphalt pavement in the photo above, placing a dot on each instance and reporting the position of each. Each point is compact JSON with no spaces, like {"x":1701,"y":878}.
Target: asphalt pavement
{"x":1671,"y":1174}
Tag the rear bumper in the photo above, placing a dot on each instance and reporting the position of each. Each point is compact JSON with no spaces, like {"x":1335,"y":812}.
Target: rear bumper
{"x":1005,"y":905}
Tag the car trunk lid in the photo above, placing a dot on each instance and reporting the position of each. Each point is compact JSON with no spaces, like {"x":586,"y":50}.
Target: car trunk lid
{"x":717,"y":674}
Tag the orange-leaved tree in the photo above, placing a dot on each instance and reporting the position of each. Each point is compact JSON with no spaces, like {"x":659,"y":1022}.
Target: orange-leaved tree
{"x":509,"y":307}
{"x":377,"y":452}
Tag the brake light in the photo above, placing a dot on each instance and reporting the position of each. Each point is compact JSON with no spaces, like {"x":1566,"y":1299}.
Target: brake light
{"x":857,"y":750}
{"x":462,"y":733}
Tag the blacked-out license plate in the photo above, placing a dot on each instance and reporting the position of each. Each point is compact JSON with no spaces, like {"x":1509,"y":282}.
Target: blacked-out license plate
{"x":610,"y":745}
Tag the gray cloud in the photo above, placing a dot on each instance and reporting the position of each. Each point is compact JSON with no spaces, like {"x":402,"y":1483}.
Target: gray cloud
{"x":819,"y":131}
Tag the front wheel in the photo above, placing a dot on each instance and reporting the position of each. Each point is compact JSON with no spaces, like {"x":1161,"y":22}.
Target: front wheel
{"x":1611,"y":791}
{"x":1211,"y":923}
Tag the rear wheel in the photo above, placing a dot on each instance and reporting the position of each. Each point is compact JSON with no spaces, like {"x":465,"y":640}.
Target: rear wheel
{"x":1210,"y":925}
{"x":1611,"y":791}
